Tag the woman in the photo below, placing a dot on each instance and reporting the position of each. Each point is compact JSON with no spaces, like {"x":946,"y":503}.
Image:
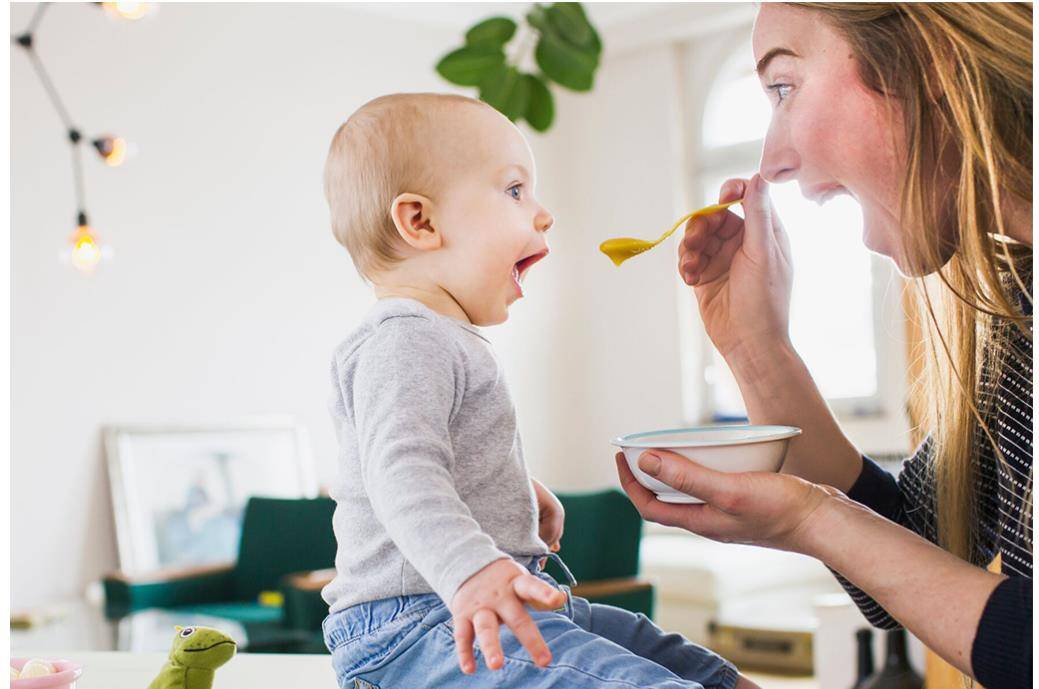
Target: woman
{"x":923,"y":113}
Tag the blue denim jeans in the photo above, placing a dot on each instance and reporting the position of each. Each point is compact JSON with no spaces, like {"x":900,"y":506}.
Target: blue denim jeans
{"x":407,"y":642}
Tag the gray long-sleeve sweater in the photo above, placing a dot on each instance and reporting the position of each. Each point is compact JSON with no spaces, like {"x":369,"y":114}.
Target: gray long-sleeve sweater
{"x":432,"y":485}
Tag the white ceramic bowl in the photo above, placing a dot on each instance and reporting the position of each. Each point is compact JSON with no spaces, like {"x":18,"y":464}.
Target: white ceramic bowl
{"x":723,"y":448}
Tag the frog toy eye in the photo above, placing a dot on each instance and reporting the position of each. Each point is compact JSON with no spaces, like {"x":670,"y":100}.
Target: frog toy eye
{"x":186,"y":632}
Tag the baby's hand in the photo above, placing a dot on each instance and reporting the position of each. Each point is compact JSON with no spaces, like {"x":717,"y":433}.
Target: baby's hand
{"x":497,"y":594}
{"x":550,"y":516}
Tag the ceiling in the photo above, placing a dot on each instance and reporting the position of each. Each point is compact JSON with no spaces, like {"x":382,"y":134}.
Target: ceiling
{"x":462,"y":15}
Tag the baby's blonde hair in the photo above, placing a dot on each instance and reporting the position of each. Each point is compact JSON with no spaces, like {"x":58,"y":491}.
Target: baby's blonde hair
{"x":387,"y":147}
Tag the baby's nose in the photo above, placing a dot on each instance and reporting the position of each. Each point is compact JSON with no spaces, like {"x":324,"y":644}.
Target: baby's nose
{"x":543,"y":221}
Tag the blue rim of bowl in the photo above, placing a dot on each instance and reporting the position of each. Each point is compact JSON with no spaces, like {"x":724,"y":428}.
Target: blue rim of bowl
{"x":633,"y":439}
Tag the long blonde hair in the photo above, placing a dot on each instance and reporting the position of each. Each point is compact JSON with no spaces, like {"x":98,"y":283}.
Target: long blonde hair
{"x":962,"y":76}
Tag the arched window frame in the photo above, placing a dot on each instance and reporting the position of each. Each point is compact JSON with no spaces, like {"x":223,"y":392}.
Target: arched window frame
{"x":876,"y":424}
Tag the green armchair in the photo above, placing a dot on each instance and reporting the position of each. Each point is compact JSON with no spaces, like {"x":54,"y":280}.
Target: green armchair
{"x":600,"y":545}
{"x":279,"y":537}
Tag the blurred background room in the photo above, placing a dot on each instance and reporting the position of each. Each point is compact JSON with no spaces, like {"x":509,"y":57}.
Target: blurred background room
{"x":171,"y":346}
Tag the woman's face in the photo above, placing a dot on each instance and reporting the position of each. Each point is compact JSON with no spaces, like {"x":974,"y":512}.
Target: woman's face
{"x":828,"y":130}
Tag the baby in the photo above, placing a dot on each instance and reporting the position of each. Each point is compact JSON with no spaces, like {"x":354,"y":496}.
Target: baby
{"x":441,"y":531}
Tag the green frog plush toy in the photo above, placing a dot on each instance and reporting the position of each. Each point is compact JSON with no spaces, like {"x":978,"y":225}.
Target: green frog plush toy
{"x":196,"y":654}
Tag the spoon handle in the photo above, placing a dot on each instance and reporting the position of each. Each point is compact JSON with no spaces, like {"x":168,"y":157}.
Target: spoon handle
{"x":706,"y":210}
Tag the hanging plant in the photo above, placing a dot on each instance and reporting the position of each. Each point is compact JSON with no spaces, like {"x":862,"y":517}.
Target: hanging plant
{"x":566,"y":50}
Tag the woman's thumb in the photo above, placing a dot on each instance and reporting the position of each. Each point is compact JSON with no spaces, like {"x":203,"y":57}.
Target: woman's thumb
{"x":757,"y":216}
{"x":684,"y":474}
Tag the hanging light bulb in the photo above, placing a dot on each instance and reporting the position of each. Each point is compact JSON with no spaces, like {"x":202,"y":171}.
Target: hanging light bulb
{"x":127,"y":10}
{"x":85,"y":250}
{"x":112,"y":149}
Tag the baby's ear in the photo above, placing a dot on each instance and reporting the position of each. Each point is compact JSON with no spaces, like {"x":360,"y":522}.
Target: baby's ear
{"x":411,"y":216}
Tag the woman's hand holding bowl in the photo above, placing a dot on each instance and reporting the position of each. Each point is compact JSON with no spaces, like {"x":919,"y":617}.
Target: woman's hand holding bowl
{"x":759,"y":508}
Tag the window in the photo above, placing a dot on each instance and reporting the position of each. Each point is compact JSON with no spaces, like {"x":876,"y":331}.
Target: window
{"x":842,"y":305}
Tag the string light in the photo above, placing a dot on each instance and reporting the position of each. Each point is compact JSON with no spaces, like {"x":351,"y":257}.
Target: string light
{"x":112,"y":149}
{"x":85,"y":251}
{"x":127,"y":10}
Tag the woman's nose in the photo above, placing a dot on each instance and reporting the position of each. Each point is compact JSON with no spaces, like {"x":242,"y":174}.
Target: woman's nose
{"x":780,"y":162}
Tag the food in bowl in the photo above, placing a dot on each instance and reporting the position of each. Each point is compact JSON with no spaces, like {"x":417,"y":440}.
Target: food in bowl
{"x":732,"y":449}
{"x":36,"y":673}
{"x":36,"y":668}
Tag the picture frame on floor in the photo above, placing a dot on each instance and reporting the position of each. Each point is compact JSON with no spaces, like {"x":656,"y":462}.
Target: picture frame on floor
{"x":179,"y":491}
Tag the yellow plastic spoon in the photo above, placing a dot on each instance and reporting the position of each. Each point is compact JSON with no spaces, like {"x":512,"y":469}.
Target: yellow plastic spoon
{"x":621,"y":249}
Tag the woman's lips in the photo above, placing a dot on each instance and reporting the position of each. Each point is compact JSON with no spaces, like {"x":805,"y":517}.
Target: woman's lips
{"x":822,"y":193}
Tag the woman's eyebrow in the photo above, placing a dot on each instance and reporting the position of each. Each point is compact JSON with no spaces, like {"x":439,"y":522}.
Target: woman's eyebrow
{"x":775,"y":52}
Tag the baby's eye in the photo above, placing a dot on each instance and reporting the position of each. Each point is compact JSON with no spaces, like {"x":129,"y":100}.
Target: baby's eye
{"x":514,"y":191}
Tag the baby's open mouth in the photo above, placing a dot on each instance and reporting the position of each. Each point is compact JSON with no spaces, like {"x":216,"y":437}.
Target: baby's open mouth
{"x":524,"y":264}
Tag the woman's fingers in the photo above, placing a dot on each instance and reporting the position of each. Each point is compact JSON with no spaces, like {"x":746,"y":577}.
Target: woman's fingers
{"x":705,"y":520}
{"x":757,"y":212}
{"x":645,"y":501}
{"x":486,"y":624}
{"x":718,"y":265}
{"x":706,"y":251}
{"x":638,"y":493}
{"x":687,"y":476}
{"x":464,"y":637}
{"x":711,"y":241}
{"x":526,"y":631}
{"x":732,"y":189}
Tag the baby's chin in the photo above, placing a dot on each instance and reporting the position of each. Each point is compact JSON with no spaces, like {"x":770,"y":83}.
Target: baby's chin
{"x":490,"y":316}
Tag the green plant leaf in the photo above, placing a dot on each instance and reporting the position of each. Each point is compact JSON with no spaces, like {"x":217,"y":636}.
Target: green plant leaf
{"x":496,"y":31}
{"x":565,"y":64}
{"x":540,"y":108}
{"x":571,"y":23}
{"x":469,"y":66}
{"x":539,"y":20}
{"x":507,"y":91}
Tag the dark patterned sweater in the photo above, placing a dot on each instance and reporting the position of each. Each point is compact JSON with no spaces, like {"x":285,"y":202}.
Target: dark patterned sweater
{"x":1002,"y":652}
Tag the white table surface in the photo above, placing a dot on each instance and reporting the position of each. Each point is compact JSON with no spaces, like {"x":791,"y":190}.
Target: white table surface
{"x":133,"y":670}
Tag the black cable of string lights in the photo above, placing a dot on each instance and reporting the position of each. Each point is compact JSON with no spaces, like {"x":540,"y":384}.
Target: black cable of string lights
{"x":110,"y":148}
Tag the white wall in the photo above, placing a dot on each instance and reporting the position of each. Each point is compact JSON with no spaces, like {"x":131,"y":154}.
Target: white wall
{"x":618,"y":154}
{"x":228,"y":293}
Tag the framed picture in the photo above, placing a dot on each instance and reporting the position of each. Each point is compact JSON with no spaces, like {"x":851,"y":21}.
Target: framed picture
{"x":179,"y":492}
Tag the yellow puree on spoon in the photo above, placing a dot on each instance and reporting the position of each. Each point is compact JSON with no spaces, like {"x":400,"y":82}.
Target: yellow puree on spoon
{"x":621,"y":249}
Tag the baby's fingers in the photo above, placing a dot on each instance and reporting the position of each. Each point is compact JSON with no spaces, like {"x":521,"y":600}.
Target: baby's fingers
{"x":537,"y":593}
{"x":486,"y":624}
{"x":464,"y":645}
{"x":523,"y":626}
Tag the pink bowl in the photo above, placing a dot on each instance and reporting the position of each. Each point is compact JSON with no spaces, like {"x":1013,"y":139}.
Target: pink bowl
{"x":65,"y":677}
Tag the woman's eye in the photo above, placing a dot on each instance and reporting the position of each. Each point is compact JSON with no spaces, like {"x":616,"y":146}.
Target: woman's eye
{"x":514,"y":191}
{"x":781,"y":91}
